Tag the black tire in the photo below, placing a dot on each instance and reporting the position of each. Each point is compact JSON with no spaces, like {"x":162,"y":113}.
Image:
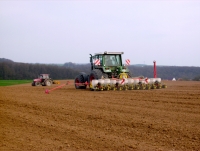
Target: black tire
{"x":33,"y":83}
{"x":48,"y":83}
{"x":85,"y":76}
{"x":79,"y":80}
{"x":95,"y":74}
{"x":105,"y":75}
{"x":37,"y":83}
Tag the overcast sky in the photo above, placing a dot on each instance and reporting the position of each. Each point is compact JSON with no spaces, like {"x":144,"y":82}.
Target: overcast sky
{"x":56,"y":31}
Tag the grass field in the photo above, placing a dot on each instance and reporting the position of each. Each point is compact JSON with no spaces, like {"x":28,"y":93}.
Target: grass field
{"x":13,"y":82}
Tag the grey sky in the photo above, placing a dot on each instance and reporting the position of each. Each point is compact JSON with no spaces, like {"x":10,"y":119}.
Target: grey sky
{"x":68,"y":31}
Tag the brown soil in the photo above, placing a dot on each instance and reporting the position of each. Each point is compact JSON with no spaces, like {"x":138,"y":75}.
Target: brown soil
{"x":70,"y":119}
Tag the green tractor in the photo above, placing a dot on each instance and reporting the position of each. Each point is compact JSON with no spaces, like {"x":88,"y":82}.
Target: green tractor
{"x":107,"y":65}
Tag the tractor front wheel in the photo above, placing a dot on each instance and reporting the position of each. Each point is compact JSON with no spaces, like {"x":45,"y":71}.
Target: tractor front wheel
{"x":37,"y":83}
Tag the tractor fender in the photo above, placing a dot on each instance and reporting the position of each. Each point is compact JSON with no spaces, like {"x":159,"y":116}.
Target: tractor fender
{"x":37,"y":80}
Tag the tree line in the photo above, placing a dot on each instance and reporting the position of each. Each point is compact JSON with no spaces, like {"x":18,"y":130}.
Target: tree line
{"x":18,"y":71}
{"x":168,"y":72}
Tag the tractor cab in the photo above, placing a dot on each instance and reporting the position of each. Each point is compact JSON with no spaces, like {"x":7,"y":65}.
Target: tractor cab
{"x":43,"y":76}
{"x":110,"y":63}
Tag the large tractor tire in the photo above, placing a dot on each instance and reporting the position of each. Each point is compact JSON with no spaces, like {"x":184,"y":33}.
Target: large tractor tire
{"x":95,"y":74}
{"x":33,"y":83}
{"x":80,"y":80}
{"x":48,"y":83}
{"x":105,"y":75}
{"x":85,"y":76}
{"x":37,"y":83}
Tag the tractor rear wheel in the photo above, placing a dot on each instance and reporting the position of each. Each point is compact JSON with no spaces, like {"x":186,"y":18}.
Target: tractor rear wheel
{"x":105,"y":75}
{"x":48,"y":82}
{"x":79,"y":82}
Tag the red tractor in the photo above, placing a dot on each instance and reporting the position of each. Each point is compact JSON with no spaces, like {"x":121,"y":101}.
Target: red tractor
{"x":43,"y":79}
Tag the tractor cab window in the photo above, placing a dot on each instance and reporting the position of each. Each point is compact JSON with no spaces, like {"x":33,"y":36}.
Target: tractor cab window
{"x":112,"y":60}
{"x":118,"y":60}
{"x":44,"y":76}
{"x":101,"y":60}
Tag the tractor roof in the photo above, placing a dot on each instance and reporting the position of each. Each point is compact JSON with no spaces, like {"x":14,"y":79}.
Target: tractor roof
{"x":104,"y":53}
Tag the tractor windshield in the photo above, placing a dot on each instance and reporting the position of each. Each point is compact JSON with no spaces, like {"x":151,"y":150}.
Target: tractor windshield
{"x":44,"y":76}
{"x":112,"y":60}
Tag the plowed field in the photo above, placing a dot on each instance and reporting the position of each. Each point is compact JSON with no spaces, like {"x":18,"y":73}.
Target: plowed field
{"x":70,"y":119}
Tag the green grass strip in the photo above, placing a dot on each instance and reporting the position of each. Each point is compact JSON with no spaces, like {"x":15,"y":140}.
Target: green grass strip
{"x":14,"y":82}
